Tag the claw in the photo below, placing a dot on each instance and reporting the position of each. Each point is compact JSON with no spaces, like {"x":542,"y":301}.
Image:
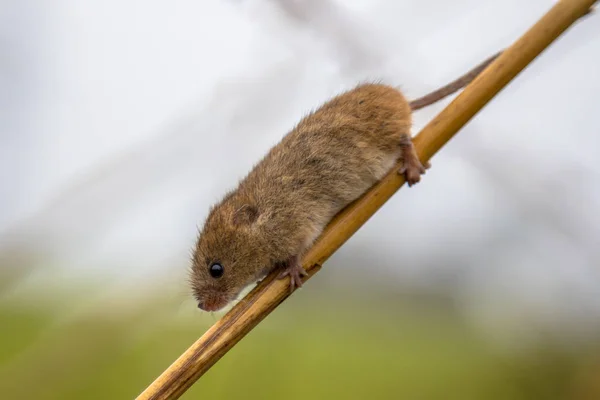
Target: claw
{"x":412,"y":168}
{"x":294,"y":270}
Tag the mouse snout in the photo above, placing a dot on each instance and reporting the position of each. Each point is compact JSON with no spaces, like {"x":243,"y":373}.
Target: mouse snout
{"x":212,"y":304}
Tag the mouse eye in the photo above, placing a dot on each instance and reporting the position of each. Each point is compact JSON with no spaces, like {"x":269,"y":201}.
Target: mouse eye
{"x":216,"y":270}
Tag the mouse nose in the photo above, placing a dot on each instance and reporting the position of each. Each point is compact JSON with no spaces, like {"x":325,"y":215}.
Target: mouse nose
{"x":207,"y":305}
{"x":212,"y":304}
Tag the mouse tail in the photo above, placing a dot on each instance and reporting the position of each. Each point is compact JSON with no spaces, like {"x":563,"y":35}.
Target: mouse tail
{"x":452,"y":87}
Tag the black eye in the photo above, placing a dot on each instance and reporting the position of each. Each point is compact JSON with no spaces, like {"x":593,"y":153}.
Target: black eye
{"x":216,"y":270}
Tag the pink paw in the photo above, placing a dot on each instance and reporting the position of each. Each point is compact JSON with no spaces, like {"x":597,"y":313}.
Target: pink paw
{"x":294,"y":270}
{"x":413,"y":169}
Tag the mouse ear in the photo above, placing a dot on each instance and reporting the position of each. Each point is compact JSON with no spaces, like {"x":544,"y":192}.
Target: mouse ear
{"x":245,"y":215}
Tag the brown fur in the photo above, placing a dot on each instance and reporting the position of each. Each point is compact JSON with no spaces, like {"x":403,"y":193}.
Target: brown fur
{"x":329,"y":159}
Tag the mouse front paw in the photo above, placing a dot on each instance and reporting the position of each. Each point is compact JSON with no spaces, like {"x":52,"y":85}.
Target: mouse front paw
{"x":294,"y":270}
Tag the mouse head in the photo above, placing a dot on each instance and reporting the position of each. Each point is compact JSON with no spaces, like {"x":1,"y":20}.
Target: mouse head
{"x":229,"y":255}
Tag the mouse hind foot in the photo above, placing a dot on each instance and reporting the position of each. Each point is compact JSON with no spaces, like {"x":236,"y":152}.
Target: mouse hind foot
{"x":411,"y":168}
{"x":294,"y":270}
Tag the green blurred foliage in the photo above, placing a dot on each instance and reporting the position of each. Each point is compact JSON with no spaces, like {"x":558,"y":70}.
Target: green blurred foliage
{"x":310,"y":348}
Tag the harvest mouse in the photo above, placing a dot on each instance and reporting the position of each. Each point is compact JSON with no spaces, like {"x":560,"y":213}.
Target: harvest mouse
{"x":329,"y":159}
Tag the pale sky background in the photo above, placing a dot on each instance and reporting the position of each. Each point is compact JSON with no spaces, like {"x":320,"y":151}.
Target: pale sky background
{"x":122,"y":121}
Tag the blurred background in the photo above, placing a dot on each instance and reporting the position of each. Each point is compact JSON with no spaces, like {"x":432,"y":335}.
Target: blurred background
{"x":121,"y":122}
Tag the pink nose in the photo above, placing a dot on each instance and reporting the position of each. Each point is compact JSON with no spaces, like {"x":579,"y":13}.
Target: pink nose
{"x":211,"y":304}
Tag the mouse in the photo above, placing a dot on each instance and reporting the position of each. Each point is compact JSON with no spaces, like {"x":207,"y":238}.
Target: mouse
{"x":332,"y":156}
